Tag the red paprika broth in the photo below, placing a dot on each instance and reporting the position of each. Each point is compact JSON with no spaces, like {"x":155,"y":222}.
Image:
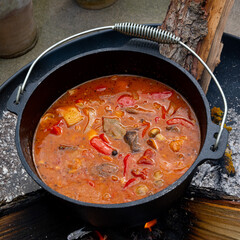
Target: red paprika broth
{"x":116,"y":139}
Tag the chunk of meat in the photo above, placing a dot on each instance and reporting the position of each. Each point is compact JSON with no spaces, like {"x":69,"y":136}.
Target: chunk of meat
{"x":137,"y":110}
{"x":131,"y":138}
{"x":67,"y":147}
{"x":173,"y":128}
{"x":106,"y":169}
{"x":70,"y":114}
{"x":113,"y":128}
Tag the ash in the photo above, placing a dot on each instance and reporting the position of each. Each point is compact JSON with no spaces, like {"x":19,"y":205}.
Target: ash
{"x":210,"y":174}
{"x":14,"y":181}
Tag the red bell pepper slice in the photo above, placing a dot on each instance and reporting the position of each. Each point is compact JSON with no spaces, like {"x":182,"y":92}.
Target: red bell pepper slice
{"x":57,"y":128}
{"x":104,"y":138}
{"x":147,"y":124}
{"x":137,"y":173}
{"x":161,"y":95}
{"x":125,"y":163}
{"x":126,"y":100}
{"x":91,"y":183}
{"x":147,"y":157}
{"x":149,"y":153}
{"x":182,"y":121}
{"x":164,"y":112}
{"x":101,"y":146}
{"x":129,"y":182}
{"x":78,"y":101}
{"x":156,"y":119}
{"x":144,"y":160}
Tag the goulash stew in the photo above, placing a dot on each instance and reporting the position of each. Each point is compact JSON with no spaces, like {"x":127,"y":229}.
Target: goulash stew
{"x":116,"y":139}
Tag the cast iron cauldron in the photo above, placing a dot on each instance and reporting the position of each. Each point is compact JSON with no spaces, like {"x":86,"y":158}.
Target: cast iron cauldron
{"x":121,"y":60}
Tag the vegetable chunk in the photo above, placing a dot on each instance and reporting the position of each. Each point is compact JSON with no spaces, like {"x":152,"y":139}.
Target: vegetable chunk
{"x":175,"y":145}
{"x":70,"y":114}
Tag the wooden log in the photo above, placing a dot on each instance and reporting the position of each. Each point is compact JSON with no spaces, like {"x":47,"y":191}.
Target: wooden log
{"x":213,"y":219}
{"x":200,"y":24}
{"x":41,"y":216}
{"x":211,"y":48}
{"x":188,"y":20}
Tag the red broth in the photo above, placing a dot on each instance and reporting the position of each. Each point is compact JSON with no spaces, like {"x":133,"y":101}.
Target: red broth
{"x":116,"y":139}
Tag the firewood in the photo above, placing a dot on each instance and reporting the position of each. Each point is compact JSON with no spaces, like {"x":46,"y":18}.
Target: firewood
{"x":213,"y":219}
{"x":211,"y":48}
{"x":200,"y":25}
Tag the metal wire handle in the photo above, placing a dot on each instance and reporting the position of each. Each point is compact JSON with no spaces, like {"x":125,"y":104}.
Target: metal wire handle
{"x":144,"y":32}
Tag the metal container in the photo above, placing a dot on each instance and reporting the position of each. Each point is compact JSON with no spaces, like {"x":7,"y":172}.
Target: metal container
{"x":128,"y":59}
{"x":18,"y":32}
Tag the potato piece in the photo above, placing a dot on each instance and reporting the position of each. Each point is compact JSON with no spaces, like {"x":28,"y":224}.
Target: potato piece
{"x":119,"y":113}
{"x":175,"y":145}
{"x":160,"y":137}
{"x":70,"y":114}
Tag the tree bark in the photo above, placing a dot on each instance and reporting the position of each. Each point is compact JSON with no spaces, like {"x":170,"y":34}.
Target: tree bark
{"x":200,"y":25}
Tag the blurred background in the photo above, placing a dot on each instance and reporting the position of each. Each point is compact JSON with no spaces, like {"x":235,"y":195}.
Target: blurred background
{"x":54,"y":20}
